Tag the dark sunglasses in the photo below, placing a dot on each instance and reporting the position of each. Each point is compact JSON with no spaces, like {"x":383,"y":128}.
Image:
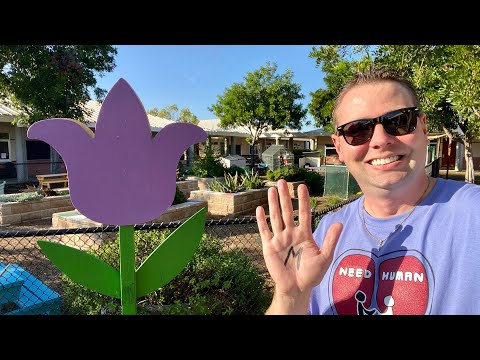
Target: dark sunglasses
{"x":397,"y":123}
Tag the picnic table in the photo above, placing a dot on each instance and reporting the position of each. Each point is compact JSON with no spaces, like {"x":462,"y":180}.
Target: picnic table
{"x":46,"y":181}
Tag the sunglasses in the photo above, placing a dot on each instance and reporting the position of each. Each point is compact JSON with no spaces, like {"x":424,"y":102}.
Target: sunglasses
{"x":396,"y":123}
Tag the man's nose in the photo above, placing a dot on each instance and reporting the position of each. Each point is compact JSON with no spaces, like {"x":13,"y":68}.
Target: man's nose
{"x":380,"y":137}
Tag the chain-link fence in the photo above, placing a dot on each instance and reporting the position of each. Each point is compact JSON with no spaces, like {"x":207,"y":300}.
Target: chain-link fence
{"x":227,"y":274}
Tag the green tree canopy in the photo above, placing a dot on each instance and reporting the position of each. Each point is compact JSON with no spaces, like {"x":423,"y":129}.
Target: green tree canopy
{"x":171,"y":112}
{"x":48,"y":81}
{"x":339,"y":64}
{"x":264,"y":100}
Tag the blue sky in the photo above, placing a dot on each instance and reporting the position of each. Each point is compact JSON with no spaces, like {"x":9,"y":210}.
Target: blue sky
{"x":193,"y":76}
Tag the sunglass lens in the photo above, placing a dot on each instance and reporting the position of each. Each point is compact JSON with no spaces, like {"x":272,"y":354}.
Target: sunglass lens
{"x":358,"y":132}
{"x":401,"y":124}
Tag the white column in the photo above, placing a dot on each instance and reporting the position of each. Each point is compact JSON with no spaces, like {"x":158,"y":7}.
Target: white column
{"x":190,"y":156}
{"x":21,"y":154}
{"x":290,"y":144}
{"x":233,"y":142}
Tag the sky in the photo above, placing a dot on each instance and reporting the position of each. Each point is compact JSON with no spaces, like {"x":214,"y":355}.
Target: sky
{"x":193,"y":76}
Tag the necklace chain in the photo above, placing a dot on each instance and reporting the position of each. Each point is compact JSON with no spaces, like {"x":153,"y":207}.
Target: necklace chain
{"x":382,"y":241}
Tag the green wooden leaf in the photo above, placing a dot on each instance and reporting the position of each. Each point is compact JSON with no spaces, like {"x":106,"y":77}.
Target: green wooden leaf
{"x":83,"y":268}
{"x":171,"y":256}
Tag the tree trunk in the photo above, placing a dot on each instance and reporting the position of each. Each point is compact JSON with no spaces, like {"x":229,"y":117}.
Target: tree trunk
{"x":469,"y":169}
{"x":252,"y":156}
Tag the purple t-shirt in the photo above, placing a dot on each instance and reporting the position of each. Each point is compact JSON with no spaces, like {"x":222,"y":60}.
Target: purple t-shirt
{"x":429,"y":265}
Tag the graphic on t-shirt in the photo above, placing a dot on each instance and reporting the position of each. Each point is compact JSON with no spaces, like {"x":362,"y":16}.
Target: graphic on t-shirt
{"x":393,"y":284}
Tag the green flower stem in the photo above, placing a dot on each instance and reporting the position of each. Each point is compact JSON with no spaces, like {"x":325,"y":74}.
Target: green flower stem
{"x":127,"y":270}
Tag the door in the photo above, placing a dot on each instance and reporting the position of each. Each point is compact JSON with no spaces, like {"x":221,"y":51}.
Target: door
{"x":449,"y":161}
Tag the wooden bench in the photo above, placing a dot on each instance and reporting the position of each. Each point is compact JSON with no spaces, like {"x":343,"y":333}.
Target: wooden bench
{"x":46,"y":181}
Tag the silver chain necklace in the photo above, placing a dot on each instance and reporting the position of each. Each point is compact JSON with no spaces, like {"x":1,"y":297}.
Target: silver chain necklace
{"x":382,"y":241}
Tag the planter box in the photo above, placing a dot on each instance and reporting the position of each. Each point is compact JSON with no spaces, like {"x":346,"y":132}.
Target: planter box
{"x":292,"y":187}
{"x":186,"y":186}
{"x":18,"y":212}
{"x":74,"y":219}
{"x":204,"y":183}
{"x":231,"y":205}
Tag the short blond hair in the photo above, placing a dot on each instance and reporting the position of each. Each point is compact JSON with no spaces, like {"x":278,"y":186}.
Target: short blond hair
{"x":371,"y":76}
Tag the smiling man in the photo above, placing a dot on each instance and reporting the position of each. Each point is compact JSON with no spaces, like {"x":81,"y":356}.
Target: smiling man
{"x":408,"y":245}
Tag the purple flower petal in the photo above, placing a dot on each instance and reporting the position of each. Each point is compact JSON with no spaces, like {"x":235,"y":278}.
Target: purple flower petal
{"x":121,"y":176}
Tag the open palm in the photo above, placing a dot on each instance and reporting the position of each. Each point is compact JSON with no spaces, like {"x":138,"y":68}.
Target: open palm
{"x":293,"y":259}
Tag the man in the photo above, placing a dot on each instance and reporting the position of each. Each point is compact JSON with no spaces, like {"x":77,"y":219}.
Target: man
{"x":409,"y":245}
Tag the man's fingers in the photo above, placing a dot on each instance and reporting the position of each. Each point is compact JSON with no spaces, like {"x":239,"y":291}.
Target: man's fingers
{"x":304,"y":211}
{"x":265,"y":233}
{"x":274,"y":211}
{"x":330,"y":241}
{"x":286,"y":203}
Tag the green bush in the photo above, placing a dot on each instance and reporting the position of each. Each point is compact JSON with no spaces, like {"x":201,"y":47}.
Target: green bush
{"x":234,"y":169}
{"x":208,"y":166}
{"x":252,"y":181}
{"x":315,"y":182}
{"x":179,"y":197}
{"x":21,"y":197}
{"x":180,"y":171}
{"x":333,"y":200}
{"x":231,"y":184}
{"x":215,"y":282}
{"x":288,"y":173}
{"x":237,"y":183}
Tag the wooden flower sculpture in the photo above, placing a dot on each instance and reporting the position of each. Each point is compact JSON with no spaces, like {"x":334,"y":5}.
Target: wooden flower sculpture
{"x":120,"y":175}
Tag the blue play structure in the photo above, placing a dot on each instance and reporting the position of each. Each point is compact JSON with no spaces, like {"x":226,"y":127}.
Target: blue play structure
{"x":23,"y":294}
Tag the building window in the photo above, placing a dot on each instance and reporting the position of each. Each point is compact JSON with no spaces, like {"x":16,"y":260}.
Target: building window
{"x":38,"y":150}
{"x":4,"y":146}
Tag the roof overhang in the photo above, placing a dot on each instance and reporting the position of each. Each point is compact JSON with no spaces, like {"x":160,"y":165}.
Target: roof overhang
{"x":436,"y":136}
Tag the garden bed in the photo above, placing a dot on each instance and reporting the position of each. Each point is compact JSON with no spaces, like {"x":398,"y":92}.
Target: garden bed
{"x":231,"y":205}
{"x":19,"y":212}
{"x":186,"y":186}
{"x":204,"y":183}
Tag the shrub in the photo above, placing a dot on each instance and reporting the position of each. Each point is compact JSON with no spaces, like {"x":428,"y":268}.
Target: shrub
{"x":250,"y":180}
{"x":20,"y":197}
{"x":214,"y":282}
{"x":180,"y":171}
{"x":234,"y":169}
{"x":208,"y":166}
{"x":235,"y":183}
{"x":179,"y":197}
{"x":232,"y":184}
{"x":288,"y":173}
{"x":315,"y":182}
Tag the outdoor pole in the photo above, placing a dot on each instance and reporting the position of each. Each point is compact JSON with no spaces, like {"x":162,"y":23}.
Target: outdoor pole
{"x":448,"y":156}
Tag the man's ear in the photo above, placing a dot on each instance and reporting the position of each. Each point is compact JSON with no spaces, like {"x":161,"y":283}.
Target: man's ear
{"x":423,"y":122}
{"x":338,"y":148}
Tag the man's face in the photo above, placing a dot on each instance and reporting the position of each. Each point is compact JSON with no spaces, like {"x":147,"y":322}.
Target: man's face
{"x":385,"y":161}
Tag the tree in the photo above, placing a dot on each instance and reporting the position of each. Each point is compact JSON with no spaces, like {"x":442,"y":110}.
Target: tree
{"x":48,"y":81}
{"x":170,"y":112}
{"x":264,"y":100}
{"x":448,"y":78}
{"x":339,"y":65}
